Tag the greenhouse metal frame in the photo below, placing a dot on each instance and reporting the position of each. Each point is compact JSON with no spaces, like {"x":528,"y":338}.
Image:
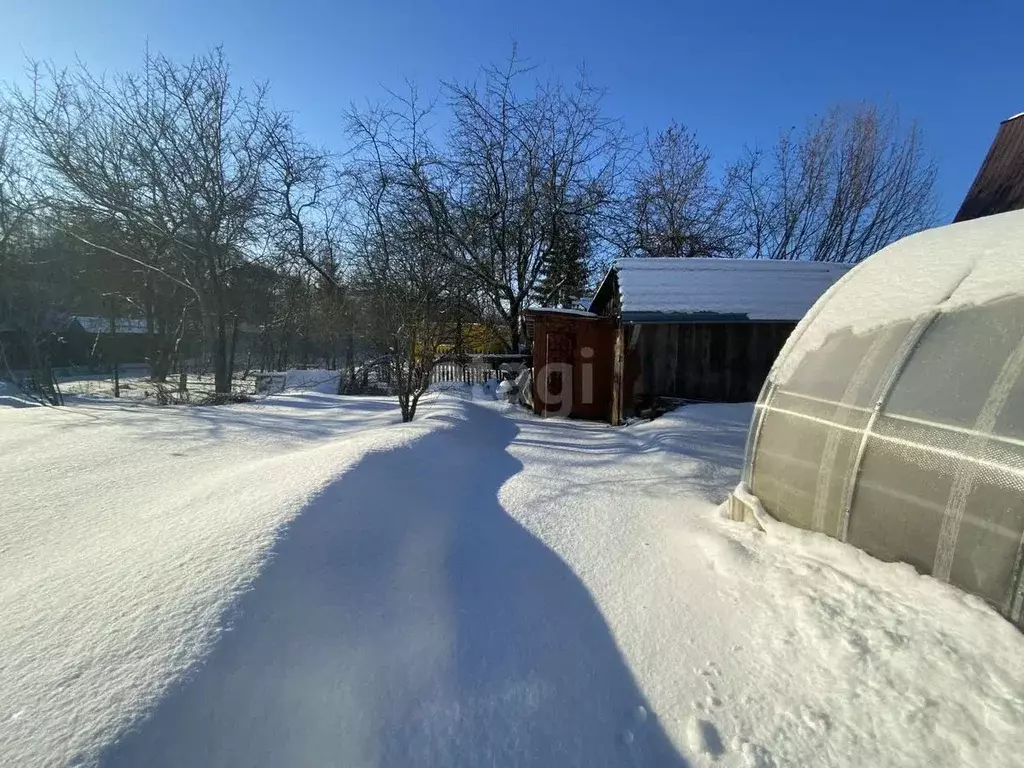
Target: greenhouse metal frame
{"x":900,"y":428}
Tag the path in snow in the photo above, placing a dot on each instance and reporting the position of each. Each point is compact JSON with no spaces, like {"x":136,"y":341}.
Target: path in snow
{"x":126,"y":532}
{"x":478,"y":588}
{"x":757,"y":650}
{"x":405,"y":620}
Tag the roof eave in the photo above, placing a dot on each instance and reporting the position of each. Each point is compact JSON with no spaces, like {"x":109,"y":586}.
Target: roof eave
{"x":600,"y":288}
{"x":641,"y":317}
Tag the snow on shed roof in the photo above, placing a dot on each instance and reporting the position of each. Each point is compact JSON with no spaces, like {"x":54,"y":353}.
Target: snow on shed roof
{"x":91,"y":324}
{"x":560,"y":311}
{"x":655,"y":289}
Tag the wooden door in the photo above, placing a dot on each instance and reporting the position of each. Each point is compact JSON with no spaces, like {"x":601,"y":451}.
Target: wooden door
{"x":560,"y":357}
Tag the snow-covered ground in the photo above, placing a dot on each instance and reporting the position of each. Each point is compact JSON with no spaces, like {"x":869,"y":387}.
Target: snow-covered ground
{"x":306,"y":581}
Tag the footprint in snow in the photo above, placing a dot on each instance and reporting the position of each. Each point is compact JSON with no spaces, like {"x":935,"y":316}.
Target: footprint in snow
{"x":703,"y":738}
{"x":756,"y":756}
{"x":638,"y":717}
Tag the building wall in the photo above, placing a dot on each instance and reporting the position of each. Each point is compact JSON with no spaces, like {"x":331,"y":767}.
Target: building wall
{"x":999,"y":185}
{"x":590,"y":343}
{"x":719,"y":362}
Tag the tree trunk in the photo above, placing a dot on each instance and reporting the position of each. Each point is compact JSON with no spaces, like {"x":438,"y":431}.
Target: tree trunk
{"x":160,"y":360}
{"x":221,"y":368}
{"x":159,"y":352}
{"x":350,"y":355}
{"x":113,"y":346}
{"x":513,"y":332}
{"x":513,"y":328}
{"x":231,"y":350}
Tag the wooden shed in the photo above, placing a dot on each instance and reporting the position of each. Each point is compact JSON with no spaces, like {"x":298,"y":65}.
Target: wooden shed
{"x":999,"y":185}
{"x":572,"y":362}
{"x":701,"y":329}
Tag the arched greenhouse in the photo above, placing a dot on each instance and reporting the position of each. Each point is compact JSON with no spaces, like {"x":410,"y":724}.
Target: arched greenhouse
{"x":893,"y":418}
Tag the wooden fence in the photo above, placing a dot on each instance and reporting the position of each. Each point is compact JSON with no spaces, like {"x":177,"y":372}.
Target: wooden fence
{"x":469,"y":373}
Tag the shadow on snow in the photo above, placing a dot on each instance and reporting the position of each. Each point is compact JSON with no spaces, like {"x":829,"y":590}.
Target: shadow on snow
{"x":407,"y":620}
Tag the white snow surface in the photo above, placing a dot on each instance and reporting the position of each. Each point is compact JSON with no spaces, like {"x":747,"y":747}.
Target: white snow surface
{"x":127,"y":532}
{"x":761,"y":289}
{"x":947,"y":268}
{"x":12,"y":397}
{"x":312,"y":379}
{"x":308,"y":582}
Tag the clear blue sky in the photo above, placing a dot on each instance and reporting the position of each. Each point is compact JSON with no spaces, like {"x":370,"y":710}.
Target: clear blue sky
{"x":737,"y":72}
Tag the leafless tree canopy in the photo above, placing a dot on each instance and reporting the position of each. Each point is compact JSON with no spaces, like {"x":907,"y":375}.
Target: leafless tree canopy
{"x":22,"y":309}
{"x":410,"y":290}
{"x":848,"y":184}
{"x":676,"y":207}
{"x":521,"y":165}
{"x":15,"y":200}
{"x":174,"y":159}
{"x":172,"y":196}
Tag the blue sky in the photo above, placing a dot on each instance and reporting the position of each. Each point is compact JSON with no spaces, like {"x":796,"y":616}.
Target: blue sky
{"x":737,"y":72}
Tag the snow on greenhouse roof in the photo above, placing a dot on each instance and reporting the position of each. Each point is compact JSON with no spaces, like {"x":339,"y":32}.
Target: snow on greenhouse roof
{"x":947,"y":268}
{"x":694,"y":289}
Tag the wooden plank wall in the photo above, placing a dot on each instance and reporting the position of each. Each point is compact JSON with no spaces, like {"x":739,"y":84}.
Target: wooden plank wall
{"x":596,"y":336}
{"x":719,"y":362}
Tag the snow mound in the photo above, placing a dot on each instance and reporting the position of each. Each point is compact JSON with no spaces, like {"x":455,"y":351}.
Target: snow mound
{"x":127,"y":533}
{"x":481,"y":587}
{"x":12,"y":397}
{"x":11,"y":401}
{"x":312,"y":380}
{"x":785,"y":648}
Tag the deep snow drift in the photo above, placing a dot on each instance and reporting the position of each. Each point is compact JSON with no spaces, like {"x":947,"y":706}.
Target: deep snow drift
{"x":125,"y":534}
{"x":478,"y":588}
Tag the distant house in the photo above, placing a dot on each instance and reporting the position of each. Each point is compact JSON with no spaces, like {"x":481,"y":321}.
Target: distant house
{"x":101,"y":325}
{"x":689,"y":329}
{"x":999,"y":185}
{"x":77,"y":340}
{"x":87,"y":340}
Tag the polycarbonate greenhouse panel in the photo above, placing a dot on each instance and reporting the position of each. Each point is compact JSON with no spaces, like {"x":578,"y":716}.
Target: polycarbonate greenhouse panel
{"x":901,"y":428}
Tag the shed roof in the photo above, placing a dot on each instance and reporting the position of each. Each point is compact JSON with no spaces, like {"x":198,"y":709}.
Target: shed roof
{"x":698,"y":290}
{"x":999,"y":185}
{"x":559,"y":311}
{"x":91,"y":324}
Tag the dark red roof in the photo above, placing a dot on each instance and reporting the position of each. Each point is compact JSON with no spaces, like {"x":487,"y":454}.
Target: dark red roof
{"x":999,"y":185}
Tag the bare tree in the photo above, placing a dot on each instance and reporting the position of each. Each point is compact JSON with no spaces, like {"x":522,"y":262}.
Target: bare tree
{"x":26,"y":312}
{"x":307,"y":224}
{"x":675,"y":208}
{"x":177,"y":157}
{"x":15,"y":201}
{"x":517,"y":165}
{"x":521,"y":164}
{"x":850,"y":183}
{"x":409,"y":295}
{"x":305,"y":209}
{"x":408,"y":283}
